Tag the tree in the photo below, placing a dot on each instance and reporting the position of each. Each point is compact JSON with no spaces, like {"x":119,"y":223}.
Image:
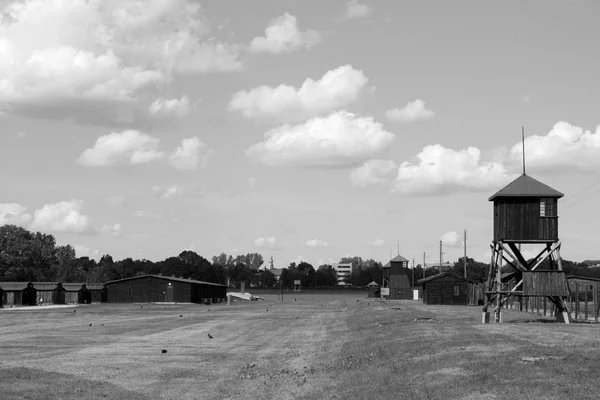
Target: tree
{"x":267,"y":278}
{"x":476,"y":271}
{"x":307,"y":273}
{"x":325,"y":276}
{"x":25,"y":255}
{"x":66,"y":268}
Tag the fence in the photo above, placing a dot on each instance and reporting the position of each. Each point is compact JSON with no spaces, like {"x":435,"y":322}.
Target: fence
{"x":583,"y":300}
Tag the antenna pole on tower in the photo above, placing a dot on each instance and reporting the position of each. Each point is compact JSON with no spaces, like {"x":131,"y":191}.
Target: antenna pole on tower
{"x":523,"y":138}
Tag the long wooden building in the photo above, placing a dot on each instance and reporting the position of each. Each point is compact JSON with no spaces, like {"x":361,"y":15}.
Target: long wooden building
{"x":158,"y":288}
{"x":32,"y":293}
{"x":445,"y":288}
{"x":395,"y":278}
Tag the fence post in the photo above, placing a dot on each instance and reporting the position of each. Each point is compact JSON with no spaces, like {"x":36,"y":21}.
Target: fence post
{"x":576,"y":300}
{"x":595,"y":295}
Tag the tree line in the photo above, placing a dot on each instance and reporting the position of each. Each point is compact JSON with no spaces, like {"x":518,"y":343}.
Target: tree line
{"x":34,"y":256}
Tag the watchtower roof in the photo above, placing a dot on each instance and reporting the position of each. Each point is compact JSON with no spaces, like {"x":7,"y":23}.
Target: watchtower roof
{"x":526,"y":186}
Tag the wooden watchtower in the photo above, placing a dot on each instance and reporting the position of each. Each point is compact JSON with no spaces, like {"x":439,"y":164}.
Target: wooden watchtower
{"x":526,"y":213}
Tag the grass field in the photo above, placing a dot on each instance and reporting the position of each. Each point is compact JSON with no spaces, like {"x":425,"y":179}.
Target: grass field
{"x":318,"y":347}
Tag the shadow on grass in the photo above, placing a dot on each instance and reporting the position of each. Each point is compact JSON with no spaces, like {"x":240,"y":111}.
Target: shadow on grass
{"x":34,"y":384}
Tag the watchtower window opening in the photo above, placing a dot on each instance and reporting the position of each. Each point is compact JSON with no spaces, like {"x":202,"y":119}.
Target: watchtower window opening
{"x":542,"y":207}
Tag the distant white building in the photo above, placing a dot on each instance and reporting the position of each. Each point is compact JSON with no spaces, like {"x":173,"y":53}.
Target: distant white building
{"x":343,"y":271}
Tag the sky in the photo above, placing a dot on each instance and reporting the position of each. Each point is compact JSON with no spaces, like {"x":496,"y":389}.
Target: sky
{"x":302,"y":130}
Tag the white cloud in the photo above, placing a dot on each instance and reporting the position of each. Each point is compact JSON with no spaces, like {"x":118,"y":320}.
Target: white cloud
{"x":356,"y":10}
{"x":373,"y":172}
{"x":341,"y":138}
{"x":14,"y":214}
{"x":283,"y":36}
{"x":565,"y":146}
{"x":84,"y":251}
{"x":451,"y":239}
{"x":444,"y":171}
{"x":192,"y":154}
{"x":413,"y":111}
{"x":64,"y":216}
{"x":336,"y":89}
{"x":112,"y":230}
{"x":252,"y":182}
{"x":376,"y":243}
{"x":127,"y":147}
{"x":115,"y":200}
{"x":170,"y":192}
{"x":167,"y":108}
{"x":316,"y":243}
{"x":265,"y":243}
{"x":145,"y":214}
{"x":66,"y":58}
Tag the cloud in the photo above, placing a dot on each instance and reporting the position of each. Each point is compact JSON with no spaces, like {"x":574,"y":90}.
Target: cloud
{"x":413,"y":111}
{"x":376,"y":243}
{"x":356,"y":10}
{"x":84,"y":251}
{"x":170,"y":192}
{"x":283,"y":36}
{"x":252,"y":182}
{"x":373,"y":172}
{"x":336,"y":89}
{"x":444,"y":171}
{"x":64,"y":216}
{"x":145,"y":214}
{"x":115,"y":200}
{"x":192,"y":154}
{"x":168,"y":108}
{"x":339,"y":139}
{"x":265,"y":243}
{"x":565,"y":146}
{"x":102,"y":56}
{"x":14,"y":214}
{"x":111,"y":230}
{"x":132,"y":147}
{"x":128,"y":147}
{"x":316,"y":243}
{"x":451,"y":239}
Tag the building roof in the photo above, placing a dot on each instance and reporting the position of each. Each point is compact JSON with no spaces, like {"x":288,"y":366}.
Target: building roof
{"x":526,"y":186}
{"x":167,"y":278}
{"x":373,"y":284}
{"x":398,"y":258}
{"x":447,"y":273}
{"x":69,"y":287}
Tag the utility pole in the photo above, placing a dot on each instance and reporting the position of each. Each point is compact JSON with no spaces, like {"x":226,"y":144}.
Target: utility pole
{"x":413,"y":274}
{"x":423,"y":265}
{"x":398,"y":246}
{"x":465,"y":258}
{"x":440,"y":257}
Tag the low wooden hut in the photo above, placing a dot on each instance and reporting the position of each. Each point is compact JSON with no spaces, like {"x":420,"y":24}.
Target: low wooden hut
{"x":58,"y":294}
{"x":445,"y":289}
{"x":374,"y":290}
{"x":157,"y":288}
{"x":29,"y":295}
{"x":84,"y":296}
